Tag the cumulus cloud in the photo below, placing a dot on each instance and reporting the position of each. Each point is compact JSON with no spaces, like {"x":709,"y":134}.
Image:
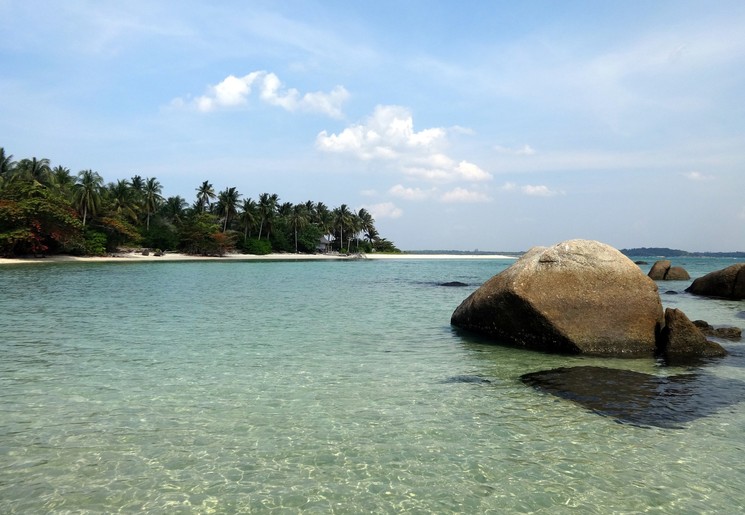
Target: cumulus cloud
{"x":235,"y":91}
{"x":539,"y":190}
{"x":388,"y":135}
{"x":384,"y":210}
{"x":463,"y":195}
{"x":409,"y":193}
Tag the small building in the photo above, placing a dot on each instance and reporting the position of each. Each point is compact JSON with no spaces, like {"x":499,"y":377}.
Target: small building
{"x":324,"y":245}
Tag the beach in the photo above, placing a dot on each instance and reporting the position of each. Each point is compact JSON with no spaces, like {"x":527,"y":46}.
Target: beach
{"x":124,"y":257}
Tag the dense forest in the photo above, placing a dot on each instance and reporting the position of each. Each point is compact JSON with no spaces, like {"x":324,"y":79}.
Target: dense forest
{"x":48,"y":210}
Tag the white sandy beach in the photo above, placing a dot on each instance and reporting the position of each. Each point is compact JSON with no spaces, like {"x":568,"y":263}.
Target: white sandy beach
{"x":125,"y":257}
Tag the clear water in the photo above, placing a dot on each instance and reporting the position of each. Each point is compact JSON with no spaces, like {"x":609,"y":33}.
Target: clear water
{"x":321,"y":386}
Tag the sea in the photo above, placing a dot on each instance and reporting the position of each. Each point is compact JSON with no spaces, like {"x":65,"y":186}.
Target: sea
{"x":341,"y":387}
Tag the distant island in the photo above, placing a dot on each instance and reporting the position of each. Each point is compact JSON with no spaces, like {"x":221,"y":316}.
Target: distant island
{"x":666,"y":252}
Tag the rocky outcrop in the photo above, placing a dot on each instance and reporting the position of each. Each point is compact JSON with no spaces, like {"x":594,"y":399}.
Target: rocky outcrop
{"x":728,"y":283}
{"x":680,"y":338}
{"x":579,"y":296}
{"x":663,"y":270}
{"x":725,"y":333}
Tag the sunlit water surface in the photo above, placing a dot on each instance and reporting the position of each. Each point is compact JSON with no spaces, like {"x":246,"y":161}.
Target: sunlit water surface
{"x":225,"y":387}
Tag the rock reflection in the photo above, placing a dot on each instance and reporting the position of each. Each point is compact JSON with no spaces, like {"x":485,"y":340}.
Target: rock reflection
{"x":638,"y":398}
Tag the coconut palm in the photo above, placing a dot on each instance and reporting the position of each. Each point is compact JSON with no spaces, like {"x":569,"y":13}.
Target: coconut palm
{"x":205,"y":196}
{"x":122,"y":201}
{"x":299,"y":219}
{"x":61,"y":179}
{"x":7,"y":165}
{"x":151,"y":197}
{"x":174,"y":209}
{"x":34,"y":170}
{"x":87,"y":193}
{"x":324,"y":219}
{"x":342,"y":219}
{"x":227,"y":205}
{"x":267,"y":208}
{"x":249,"y":216}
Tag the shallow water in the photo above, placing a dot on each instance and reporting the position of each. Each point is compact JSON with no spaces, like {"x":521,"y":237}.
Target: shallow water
{"x":330,"y":387}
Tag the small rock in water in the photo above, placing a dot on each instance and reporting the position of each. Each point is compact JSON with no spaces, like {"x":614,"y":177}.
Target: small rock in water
{"x":671,"y":292}
{"x":454,"y":283}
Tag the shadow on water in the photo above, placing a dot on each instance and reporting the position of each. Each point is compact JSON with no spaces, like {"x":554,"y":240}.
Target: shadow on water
{"x":637,"y":398}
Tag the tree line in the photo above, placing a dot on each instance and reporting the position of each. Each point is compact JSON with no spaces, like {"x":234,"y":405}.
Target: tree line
{"x":48,"y":210}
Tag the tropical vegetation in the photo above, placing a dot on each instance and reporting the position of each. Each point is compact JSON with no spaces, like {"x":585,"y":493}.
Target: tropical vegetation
{"x":50,"y":210}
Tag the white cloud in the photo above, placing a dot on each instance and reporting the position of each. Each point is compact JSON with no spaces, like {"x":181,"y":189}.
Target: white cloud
{"x":697,"y":176}
{"x":539,"y":190}
{"x":525,"y":150}
{"x":234,"y":92}
{"x":384,"y":210}
{"x":388,"y":135}
{"x":464,"y":196}
{"x":409,"y":193}
{"x":471,"y":172}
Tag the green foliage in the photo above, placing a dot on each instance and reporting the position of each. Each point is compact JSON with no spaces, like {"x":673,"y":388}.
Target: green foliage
{"x":202,"y":235}
{"x":256,"y":246}
{"x":161,"y":236}
{"x":95,"y":243}
{"x":307,"y":239}
{"x":34,"y":220}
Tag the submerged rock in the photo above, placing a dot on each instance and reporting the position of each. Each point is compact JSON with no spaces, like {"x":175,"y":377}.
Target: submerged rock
{"x":467,"y":379}
{"x":579,"y":296}
{"x":456,"y":284}
{"x":637,"y":398}
{"x":663,"y":270}
{"x":728,"y":283}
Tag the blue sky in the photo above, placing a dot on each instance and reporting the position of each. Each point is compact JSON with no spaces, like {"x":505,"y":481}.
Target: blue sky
{"x":459,"y":125}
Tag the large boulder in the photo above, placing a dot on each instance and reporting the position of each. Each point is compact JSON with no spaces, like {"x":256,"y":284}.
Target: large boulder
{"x":728,"y":283}
{"x":663,"y":270}
{"x":579,"y":296}
{"x":680,"y":338}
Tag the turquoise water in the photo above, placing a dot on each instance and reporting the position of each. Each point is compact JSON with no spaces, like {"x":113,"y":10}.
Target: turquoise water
{"x":221,"y":387}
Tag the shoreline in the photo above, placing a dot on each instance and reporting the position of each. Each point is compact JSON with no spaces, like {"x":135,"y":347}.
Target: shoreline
{"x":133,"y":257}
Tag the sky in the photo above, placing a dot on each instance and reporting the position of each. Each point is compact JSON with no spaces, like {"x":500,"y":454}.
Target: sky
{"x":490,"y":125}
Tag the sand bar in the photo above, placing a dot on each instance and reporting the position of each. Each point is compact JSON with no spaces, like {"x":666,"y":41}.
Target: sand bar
{"x":131,"y":257}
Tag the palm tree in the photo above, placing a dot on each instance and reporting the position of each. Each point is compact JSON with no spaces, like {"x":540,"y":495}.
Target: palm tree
{"x":324,"y":219}
{"x":249,"y":216}
{"x":205,"y":196}
{"x":87,"y":193}
{"x":298,"y":218}
{"x":367,"y":223}
{"x":35,"y":170}
{"x":267,"y":208}
{"x":341,"y":221}
{"x":151,"y":193}
{"x":227,"y":204}
{"x":121,"y":197}
{"x":174,"y":209}
{"x":7,"y":165}
{"x":61,"y":179}
{"x":355,"y":226}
